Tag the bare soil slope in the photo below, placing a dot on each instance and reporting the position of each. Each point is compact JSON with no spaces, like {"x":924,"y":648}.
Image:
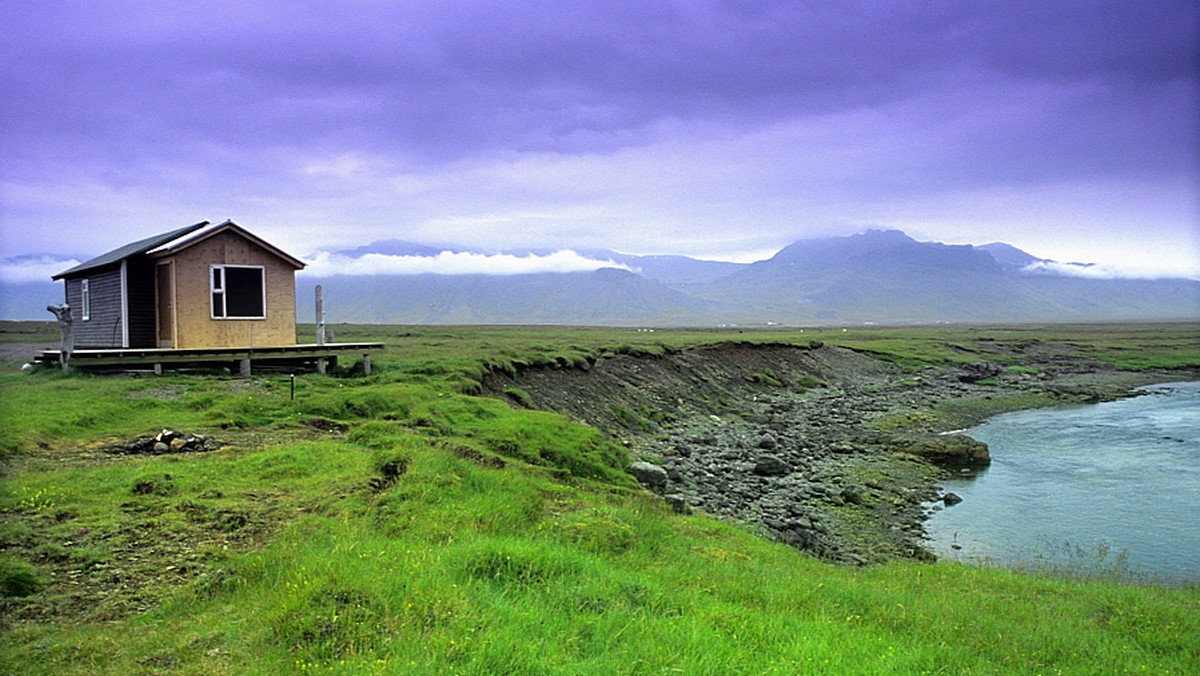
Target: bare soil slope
{"x":833,"y":451}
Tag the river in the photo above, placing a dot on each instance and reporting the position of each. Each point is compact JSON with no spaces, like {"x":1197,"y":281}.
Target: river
{"x":1110,"y":487}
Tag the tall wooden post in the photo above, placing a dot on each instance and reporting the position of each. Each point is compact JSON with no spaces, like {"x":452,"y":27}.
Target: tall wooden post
{"x":319,"y":293}
{"x":63,"y":314}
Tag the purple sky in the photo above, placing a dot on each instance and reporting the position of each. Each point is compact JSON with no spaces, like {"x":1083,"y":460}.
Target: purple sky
{"x":714,"y":129}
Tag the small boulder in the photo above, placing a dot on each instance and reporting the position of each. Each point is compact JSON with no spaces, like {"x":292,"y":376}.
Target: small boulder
{"x":853,"y":495}
{"x":166,"y":436}
{"x":648,"y":474}
{"x":977,"y":371}
{"x":678,"y":503}
{"x":770,"y":465}
{"x":799,"y":537}
{"x":954,"y":450}
{"x":951,"y":499}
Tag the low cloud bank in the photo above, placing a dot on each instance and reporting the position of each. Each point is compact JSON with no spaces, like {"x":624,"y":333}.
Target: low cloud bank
{"x":27,"y":269}
{"x":326,"y":264}
{"x":1102,"y":271}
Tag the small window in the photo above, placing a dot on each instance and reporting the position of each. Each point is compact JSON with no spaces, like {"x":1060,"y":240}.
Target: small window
{"x":85,"y":301}
{"x":238,"y":292}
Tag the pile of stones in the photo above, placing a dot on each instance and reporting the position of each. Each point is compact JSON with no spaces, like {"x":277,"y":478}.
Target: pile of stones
{"x":168,"y":441}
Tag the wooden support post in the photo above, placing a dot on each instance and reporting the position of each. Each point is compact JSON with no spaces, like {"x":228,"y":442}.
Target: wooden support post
{"x":367,"y":364}
{"x":245,"y":367}
{"x":63,"y":314}
{"x":319,"y":294}
{"x":158,"y":368}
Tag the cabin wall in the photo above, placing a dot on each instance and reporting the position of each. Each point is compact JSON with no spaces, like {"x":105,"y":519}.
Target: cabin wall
{"x":195,"y":326}
{"x":102,"y":328}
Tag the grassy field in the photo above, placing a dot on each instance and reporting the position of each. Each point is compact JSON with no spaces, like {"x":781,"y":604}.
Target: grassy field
{"x":400,"y":524}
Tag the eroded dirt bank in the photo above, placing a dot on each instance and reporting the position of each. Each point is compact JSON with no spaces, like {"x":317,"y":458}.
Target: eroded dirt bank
{"x":832,"y":451}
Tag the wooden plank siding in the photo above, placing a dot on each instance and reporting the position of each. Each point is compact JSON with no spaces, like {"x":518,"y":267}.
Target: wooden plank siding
{"x":127,"y":312}
{"x":102,"y":328}
{"x":196,"y":328}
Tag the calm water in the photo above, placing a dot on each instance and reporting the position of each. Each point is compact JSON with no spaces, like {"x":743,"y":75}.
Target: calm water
{"x":1121,"y":477}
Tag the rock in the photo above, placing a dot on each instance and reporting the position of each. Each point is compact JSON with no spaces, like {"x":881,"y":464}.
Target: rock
{"x":648,"y":474}
{"x":160,"y":447}
{"x":951,"y":499}
{"x":798,"y":537}
{"x":976,"y":371}
{"x":853,"y":495}
{"x":767,"y":442}
{"x":949,"y":451}
{"x":166,"y":436}
{"x":770,"y":465}
{"x":678,"y":503}
{"x":177,"y":444}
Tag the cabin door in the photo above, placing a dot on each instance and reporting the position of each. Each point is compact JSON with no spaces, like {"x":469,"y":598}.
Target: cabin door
{"x":165,"y":293}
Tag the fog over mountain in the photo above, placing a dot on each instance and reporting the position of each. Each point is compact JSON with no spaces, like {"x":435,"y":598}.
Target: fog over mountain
{"x":880,"y":276}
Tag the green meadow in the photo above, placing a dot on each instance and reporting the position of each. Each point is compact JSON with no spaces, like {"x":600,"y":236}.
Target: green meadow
{"x":403,"y":523}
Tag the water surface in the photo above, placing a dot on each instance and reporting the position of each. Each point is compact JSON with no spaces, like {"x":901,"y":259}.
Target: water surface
{"x":1118,"y":481}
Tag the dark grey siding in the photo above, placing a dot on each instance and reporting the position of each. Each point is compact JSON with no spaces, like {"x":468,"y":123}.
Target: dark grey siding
{"x":139,"y":279}
{"x":103,"y":327}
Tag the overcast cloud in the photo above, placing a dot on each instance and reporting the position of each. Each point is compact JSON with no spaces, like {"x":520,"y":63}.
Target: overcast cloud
{"x":716,"y":129}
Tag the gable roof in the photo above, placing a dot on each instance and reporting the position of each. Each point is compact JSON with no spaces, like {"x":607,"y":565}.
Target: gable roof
{"x":173,"y":242}
{"x":133,"y":249}
{"x":188,"y":239}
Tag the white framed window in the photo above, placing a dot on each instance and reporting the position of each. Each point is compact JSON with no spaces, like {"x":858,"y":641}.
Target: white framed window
{"x":85,"y":300}
{"x":238,"y":291}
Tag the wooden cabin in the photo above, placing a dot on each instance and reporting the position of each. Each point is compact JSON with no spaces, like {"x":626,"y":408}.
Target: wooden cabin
{"x":202,"y":286}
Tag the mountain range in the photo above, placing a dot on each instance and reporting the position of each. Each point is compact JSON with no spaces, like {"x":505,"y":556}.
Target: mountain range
{"x":880,"y":276}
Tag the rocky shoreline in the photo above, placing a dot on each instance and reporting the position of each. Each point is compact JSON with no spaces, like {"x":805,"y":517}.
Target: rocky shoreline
{"x":831,"y":451}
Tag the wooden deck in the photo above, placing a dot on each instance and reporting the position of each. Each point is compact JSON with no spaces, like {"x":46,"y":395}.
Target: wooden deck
{"x":243,"y":358}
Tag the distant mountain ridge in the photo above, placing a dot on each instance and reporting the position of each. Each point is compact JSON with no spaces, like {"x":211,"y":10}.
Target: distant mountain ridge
{"x":879,"y":276}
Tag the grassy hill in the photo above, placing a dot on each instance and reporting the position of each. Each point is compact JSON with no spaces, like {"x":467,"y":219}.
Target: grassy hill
{"x":401,"y":524}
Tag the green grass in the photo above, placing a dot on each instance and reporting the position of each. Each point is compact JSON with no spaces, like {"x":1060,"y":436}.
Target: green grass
{"x":395,"y":524}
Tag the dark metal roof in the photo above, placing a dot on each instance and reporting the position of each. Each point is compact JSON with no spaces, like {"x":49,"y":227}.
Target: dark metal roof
{"x":140,"y":247}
